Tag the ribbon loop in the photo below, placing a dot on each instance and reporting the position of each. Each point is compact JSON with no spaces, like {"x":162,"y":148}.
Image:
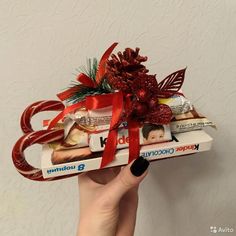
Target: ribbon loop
{"x":110,"y":147}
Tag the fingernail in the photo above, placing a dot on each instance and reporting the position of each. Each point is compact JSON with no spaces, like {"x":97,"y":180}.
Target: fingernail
{"x":139,"y":166}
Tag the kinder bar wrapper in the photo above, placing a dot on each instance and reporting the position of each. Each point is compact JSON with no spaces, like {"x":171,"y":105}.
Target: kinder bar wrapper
{"x":189,"y":121}
{"x":182,"y":144}
{"x":148,"y":134}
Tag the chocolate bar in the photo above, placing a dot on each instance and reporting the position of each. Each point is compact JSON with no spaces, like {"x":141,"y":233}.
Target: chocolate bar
{"x":148,"y":134}
{"x":189,"y":121}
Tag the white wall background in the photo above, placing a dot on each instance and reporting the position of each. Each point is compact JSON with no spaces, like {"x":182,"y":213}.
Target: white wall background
{"x":41,"y":45}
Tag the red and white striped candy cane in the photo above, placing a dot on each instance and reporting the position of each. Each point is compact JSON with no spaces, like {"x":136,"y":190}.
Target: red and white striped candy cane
{"x":37,"y":137}
{"x":30,"y":111}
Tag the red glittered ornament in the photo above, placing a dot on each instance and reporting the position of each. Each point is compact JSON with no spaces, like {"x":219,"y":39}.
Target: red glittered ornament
{"x":140,"y":109}
{"x":142,"y":95}
{"x":153,"y":103}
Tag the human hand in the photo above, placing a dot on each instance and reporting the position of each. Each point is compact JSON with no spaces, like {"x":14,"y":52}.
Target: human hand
{"x":109,"y":199}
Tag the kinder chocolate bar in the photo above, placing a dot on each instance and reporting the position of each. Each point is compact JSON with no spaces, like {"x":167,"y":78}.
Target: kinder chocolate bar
{"x":182,"y":144}
{"x":189,"y":121}
{"x":148,"y":133}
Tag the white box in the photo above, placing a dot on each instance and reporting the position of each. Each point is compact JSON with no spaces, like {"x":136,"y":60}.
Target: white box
{"x":182,"y":144}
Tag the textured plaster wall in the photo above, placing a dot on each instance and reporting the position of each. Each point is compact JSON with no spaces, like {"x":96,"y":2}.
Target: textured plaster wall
{"x":41,"y":45}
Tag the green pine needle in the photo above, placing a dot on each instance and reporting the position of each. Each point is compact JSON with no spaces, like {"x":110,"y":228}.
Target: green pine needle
{"x":91,"y":68}
{"x":90,"y":71}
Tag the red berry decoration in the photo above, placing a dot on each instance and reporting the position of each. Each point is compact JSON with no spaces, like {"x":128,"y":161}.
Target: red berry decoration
{"x":153,"y":103}
{"x":142,"y":95}
{"x":146,"y":82}
{"x":140,"y":109}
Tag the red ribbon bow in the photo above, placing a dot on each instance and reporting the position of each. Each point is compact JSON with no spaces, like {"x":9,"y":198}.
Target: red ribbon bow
{"x":119,"y":102}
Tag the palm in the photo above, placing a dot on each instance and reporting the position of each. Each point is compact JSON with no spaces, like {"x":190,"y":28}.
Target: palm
{"x":124,"y":215}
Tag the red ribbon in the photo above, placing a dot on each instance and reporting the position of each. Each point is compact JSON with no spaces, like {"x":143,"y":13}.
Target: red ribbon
{"x":110,"y":148}
{"x":134,"y":143}
{"x":102,"y":64}
{"x":133,"y":131}
{"x":87,"y":81}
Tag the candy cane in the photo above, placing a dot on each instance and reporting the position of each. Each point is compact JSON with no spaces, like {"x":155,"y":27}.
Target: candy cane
{"x":37,"y":137}
{"x":30,"y":111}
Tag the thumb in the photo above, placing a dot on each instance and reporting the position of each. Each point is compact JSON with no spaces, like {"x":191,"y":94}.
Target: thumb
{"x":129,"y":177}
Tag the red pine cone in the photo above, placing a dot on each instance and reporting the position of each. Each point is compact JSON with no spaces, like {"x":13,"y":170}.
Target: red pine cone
{"x":122,"y":70}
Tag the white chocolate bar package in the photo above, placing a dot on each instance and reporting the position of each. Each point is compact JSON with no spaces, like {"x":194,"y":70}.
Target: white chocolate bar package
{"x":189,"y":121}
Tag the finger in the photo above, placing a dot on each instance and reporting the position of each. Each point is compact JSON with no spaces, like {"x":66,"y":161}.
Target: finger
{"x":129,"y":177}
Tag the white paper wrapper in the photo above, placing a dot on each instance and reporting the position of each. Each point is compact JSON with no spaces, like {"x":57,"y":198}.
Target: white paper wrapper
{"x":189,"y":121}
{"x":74,"y":136}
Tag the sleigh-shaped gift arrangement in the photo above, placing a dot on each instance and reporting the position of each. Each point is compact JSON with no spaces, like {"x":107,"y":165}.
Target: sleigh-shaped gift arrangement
{"x":115,"y":112}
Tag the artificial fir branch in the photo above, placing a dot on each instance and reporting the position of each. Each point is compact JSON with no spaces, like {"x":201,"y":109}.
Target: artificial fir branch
{"x":83,"y":91}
